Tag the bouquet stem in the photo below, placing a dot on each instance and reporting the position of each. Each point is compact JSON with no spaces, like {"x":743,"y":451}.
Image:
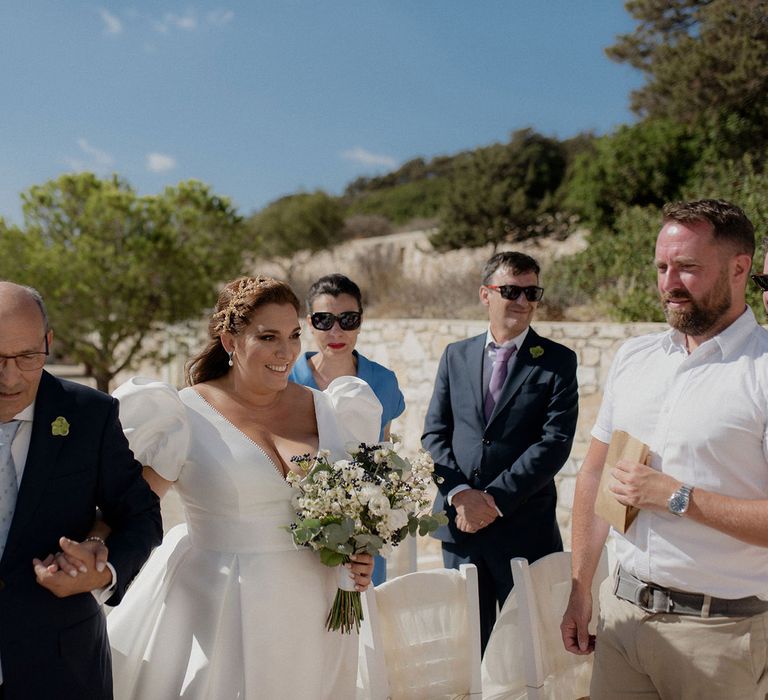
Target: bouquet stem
{"x":346,"y":613}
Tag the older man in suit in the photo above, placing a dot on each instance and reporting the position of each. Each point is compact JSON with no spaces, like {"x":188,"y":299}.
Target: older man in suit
{"x":62,"y":456}
{"x":500,"y":426}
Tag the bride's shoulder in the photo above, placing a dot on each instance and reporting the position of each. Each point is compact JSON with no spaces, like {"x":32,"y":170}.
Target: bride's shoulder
{"x":300,"y":395}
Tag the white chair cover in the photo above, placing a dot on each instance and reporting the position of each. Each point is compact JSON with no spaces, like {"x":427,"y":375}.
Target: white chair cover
{"x":525,"y":656}
{"x":428,"y":630}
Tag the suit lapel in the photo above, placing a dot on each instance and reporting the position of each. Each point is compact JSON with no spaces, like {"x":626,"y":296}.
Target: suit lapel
{"x":44,"y":447}
{"x":475,"y":353}
{"x":521,"y":369}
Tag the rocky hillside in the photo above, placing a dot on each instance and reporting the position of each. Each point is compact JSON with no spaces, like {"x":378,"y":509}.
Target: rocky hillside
{"x":401,"y":275}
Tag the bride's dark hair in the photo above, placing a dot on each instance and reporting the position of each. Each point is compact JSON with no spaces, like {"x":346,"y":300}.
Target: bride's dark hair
{"x":234,"y":310}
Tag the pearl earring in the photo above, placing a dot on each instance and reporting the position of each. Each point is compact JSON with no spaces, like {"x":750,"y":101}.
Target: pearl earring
{"x":230,"y":354}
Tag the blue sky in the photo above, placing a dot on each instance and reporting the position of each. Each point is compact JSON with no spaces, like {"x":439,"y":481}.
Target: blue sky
{"x":264,"y":98}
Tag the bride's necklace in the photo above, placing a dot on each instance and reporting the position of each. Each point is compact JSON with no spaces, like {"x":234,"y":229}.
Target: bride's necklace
{"x":257,"y":406}
{"x":250,"y":406}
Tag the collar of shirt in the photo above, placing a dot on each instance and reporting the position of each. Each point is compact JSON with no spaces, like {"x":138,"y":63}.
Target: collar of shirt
{"x":729,"y":340}
{"x":27,"y":414}
{"x":490,"y":341}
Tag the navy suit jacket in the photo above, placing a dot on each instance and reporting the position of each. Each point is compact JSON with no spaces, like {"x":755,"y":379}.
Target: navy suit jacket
{"x":58,"y":646}
{"x":515,"y":455}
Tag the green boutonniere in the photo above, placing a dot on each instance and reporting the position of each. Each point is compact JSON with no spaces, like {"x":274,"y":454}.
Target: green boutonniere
{"x":60,"y":427}
{"x":536,"y":351}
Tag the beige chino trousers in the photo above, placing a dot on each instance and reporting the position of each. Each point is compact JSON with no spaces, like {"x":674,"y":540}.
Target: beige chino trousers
{"x":641,"y":655}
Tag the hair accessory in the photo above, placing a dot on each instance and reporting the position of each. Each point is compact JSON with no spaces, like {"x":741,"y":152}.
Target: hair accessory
{"x":236,"y":308}
{"x":230,"y":354}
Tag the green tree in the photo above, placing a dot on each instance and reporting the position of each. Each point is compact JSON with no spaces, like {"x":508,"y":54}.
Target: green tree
{"x":639,"y":165}
{"x":615,"y":274}
{"x":305,"y":221}
{"x":116,"y":269}
{"x":706,"y":63}
{"x":401,"y":203}
{"x":497,"y":193}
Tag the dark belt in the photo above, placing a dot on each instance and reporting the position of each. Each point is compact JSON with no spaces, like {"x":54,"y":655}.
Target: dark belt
{"x":655,"y":599}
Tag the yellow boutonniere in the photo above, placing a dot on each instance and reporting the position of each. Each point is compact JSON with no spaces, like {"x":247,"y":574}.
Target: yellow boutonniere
{"x":536,"y":351}
{"x":60,"y":427}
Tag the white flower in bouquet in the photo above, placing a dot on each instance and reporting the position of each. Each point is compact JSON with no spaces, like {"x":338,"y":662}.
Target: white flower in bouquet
{"x":379,"y":504}
{"x":396,"y":518}
{"x":368,"y":503}
{"x":351,"y":448}
{"x":367,"y":492}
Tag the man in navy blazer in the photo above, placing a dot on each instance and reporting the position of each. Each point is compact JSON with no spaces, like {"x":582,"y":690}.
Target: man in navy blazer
{"x":499,"y":427}
{"x":70,"y":457}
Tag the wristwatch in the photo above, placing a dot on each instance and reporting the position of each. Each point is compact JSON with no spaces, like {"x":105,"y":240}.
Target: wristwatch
{"x":678,"y":502}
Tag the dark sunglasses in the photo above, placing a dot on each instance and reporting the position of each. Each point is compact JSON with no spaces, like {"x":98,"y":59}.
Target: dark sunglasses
{"x":761,"y":281}
{"x":348,"y":320}
{"x":512,"y":291}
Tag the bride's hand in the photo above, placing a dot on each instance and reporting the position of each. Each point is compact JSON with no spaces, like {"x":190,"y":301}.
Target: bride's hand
{"x":361,"y":566}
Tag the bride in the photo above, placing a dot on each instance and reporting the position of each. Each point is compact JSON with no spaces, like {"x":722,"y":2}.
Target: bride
{"x":227,"y":607}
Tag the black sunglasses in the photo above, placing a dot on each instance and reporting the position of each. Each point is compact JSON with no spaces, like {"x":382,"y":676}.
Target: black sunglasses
{"x":512,"y":291}
{"x":761,"y":281}
{"x":348,"y":320}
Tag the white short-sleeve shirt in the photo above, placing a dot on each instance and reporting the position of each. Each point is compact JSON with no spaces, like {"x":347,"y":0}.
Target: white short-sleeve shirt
{"x":704,"y":416}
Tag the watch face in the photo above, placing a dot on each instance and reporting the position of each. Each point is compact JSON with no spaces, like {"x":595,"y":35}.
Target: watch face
{"x":677,"y":503}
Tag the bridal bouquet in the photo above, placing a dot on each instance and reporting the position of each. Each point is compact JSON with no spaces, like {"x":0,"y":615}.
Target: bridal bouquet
{"x":367,"y":503}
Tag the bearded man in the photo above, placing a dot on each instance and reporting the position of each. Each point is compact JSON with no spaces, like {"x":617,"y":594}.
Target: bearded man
{"x":687,"y":613}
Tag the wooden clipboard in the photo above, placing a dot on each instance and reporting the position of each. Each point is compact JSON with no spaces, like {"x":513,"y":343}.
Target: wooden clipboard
{"x":622,"y":446}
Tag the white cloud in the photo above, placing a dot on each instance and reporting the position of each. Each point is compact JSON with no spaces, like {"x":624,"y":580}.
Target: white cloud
{"x":160,"y":162}
{"x":91,"y":158}
{"x":364,"y":157}
{"x":220,"y":17}
{"x":112,"y":23}
{"x":187,"y":22}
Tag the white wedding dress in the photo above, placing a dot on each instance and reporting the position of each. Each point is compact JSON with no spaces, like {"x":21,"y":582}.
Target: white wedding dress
{"x":227,"y":607}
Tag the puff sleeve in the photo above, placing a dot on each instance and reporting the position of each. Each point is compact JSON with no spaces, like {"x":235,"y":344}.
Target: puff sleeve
{"x":155,"y":422}
{"x":357,"y":410}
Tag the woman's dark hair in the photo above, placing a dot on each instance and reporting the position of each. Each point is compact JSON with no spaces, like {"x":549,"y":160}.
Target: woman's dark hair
{"x":234,"y":310}
{"x":335,"y":285}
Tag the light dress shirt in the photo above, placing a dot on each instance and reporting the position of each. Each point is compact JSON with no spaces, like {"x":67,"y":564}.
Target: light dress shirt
{"x":704,"y":416}
{"x":488,"y":357}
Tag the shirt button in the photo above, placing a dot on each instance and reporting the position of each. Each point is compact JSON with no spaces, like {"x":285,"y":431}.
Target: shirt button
{"x":486,"y":441}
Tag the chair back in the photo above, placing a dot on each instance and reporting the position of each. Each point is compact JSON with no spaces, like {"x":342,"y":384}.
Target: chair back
{"x":421,"y":637}
{"x":525,"y":656}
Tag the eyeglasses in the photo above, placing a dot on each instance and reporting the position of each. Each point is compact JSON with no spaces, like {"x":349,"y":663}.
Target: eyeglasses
{"x":761,"y":281}
{"x":28,"y":361}
{"x":512,"y":291}
{"x":348,"y":320}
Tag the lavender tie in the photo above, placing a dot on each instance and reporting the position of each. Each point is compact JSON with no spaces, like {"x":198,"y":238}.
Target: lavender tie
{"x":8,"y":485}
{"x":498,"y":375}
